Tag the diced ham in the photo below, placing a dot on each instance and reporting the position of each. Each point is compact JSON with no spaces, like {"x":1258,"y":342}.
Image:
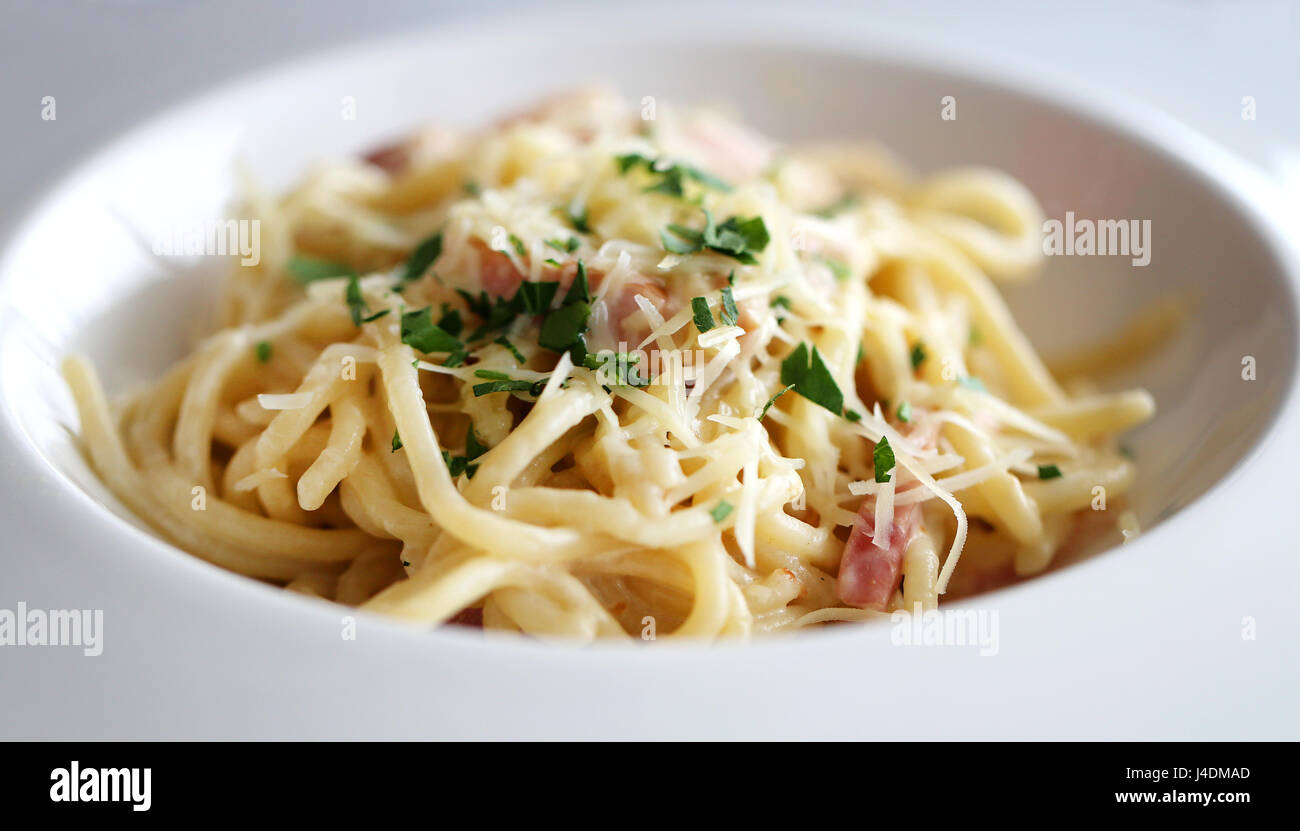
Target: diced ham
{"x":630,"y":323}
{"x":391,"y":158}
{"x":869,"y":574}
{"x":471,"y":617}
{"x":498,"y":274}
{"x":416,"y":149}
{"x":724,"y":147}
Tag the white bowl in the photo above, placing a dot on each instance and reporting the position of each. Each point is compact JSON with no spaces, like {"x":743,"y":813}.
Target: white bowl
{"x":1130,"y":642}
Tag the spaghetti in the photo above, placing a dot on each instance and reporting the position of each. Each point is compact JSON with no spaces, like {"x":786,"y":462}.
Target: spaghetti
{"x":585,"y":375}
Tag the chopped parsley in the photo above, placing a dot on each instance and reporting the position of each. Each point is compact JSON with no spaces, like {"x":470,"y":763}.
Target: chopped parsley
{"x":456,"y":465}
{"x":563,"y":328}
{"x":839,"y":269}
{"x":306,"y":270}
{"x":520,"y":248}
{"x":514,"y":350}
{"x":567,"y":246}
{"x":883,"y":457}
{"x":422,"y":334}
{"x":729,"y":312}
{"x":618,"y":366}
{"x":839,"y":206}
{"x":772,"y":401}
{"x":357,"y":305}
{"x":263,"y":351}
{"x":700,"y":312}
{"x":496,"y":312}
{"x":424,"y":255}
{"x":1049,"y":472}
{"x":853,"y":416}
{"x":450,"y":321}
{"x":721,"y":511}
{"x":397,"y":442}
{"x":533,"y":388}
{"x":471,"y":187}
{"x":581,"y":222}
{"x":535,"y":298}
{"x":473,"y":447}
{"x":811,"y":378}
{"x":738,"y":238}
{"x":580,"y":289}
{"x":905,"y":412}
{"x":918,"y":355}
{"x":670,"y":177}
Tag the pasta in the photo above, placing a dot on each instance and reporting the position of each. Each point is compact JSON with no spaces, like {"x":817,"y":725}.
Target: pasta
{"x":586,"y":375}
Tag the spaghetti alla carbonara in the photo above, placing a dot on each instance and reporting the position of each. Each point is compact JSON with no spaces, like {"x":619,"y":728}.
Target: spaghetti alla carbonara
{"x":596,"y":372}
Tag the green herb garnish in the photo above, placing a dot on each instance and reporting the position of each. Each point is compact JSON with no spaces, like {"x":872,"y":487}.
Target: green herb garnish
{"x":514,"y":350}
{"x":450,"y":321}
{"x":580,"y":289}
{"x":535,"y":298}
{"x":581,"y":222}
{"x":905,"y":412}
{"x":421,"y":333}
{"x":563,"y":327}
{"x":839,"y":206}
{"x":424,"y":255}
{"x":729,"y":312}
{"x":670,"y":176}
{"x":567,"y":246}
{"x":918,"y":355}
{"x":456,"y":465}
{"x":772,"y":401}
{"x":534,"y":388}
{"x":839,"y":269}
{"x":306,"y":269}
{"x":737,"y":238}
{"x":1049,"y":472}
{"x":357,"y":306}
{"x":811,"y":378}
{"x":721,"y":511}
{"x":883,"y":457}
{"x":700,"y":312}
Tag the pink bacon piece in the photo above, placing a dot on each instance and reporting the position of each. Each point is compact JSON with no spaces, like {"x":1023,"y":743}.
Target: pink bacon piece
{"x":869,"y":574}
{"x":398,"y":157}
